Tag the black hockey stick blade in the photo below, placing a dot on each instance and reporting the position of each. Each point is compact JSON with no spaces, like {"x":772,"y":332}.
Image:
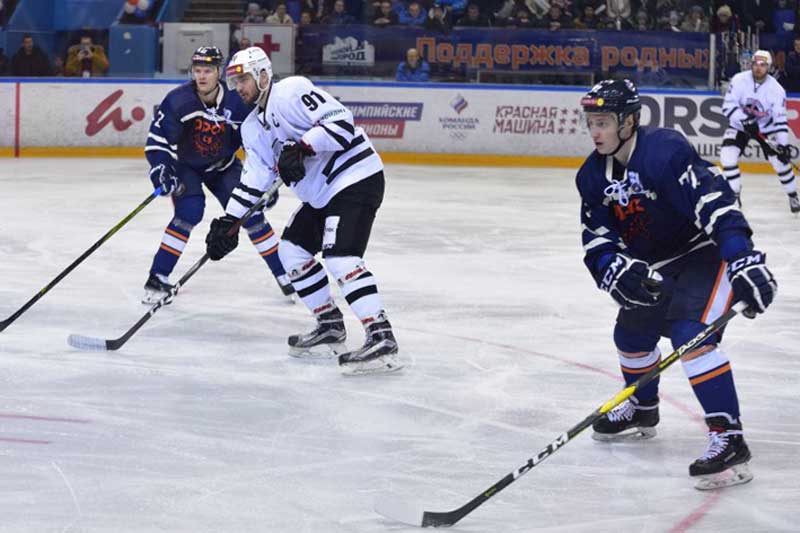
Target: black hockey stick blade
{"x":414,"y":514}
{"x":36,"y":297}
{"x":82,"y":342}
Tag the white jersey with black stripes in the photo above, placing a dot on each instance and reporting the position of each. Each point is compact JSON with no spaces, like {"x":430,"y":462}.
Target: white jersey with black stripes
{"x":298,"y":111}
{"x":765,"y":101}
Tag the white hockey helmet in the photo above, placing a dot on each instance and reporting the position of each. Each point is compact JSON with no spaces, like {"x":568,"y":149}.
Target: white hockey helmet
{"x":251,"y":61}
{"x":762,"y":56}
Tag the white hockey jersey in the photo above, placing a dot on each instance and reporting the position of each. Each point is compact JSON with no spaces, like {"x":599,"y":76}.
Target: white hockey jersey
{"x":766,"y":101}
{"x":298,"y":110}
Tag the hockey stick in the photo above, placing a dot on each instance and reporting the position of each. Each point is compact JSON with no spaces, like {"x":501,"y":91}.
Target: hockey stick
{"x":771,"y":148}
{"x":7,"y":322}
{"x":414,"y":514}
{"x":97,"y":344}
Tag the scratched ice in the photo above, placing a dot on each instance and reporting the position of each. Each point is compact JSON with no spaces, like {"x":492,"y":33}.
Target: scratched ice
{"x":202,"y":423}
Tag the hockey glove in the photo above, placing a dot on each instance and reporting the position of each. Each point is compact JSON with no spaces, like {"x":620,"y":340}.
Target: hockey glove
{"x":750,"y":126}
{"x":271,"y":201}
{"x":784,"y":153}
{"x":162,"y":176}
{"x":752,"y":282}
{"x":631,"y":282}
{"x":290,"y":162}
{"x":220,"y":240}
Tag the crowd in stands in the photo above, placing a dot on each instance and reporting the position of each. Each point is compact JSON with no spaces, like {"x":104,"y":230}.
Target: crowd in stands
{"x":442,"y":15}
{"x":83,"y":59}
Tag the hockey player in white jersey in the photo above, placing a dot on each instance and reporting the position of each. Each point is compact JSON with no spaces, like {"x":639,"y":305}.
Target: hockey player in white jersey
{"x":755,"y":105}
{"x":301,"y":134}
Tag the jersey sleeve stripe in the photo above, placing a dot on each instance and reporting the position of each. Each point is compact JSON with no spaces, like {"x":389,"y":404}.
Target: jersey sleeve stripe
{"x":349,"y":163}
{"x":329,"y":165}
{"x":338,"y":138}
{"x":154,"y":148}
{"x":715,"y":215}
{"x":161,"y":140}
{"x":346,"y":126}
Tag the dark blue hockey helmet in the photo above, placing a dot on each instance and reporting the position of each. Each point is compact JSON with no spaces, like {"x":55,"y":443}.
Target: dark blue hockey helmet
{"x":619,"y":97}
{"x":209,"y":56}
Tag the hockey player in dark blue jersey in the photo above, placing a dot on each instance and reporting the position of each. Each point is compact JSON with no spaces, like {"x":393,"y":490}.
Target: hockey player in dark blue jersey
{"x":193,"y":142}
{"x":663,"y":235}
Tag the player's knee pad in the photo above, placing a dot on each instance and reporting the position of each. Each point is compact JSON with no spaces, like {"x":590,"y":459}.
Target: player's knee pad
{"x":345,"y":269}
{"x":190,"y":209}
{"x":729,"y":155}
{"x":682,"y":331}
{"x":630,"y":342}
{"x":295,"y":259}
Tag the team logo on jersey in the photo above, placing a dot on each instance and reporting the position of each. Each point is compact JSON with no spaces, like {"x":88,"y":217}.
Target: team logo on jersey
{"x":624,"y":190}
{"x":754,"y":108}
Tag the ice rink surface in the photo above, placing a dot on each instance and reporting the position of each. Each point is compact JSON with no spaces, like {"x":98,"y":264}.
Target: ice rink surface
{"x":202,"y":423}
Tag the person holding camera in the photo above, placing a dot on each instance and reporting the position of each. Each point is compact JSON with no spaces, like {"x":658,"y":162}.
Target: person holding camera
{"x":86,"y":59}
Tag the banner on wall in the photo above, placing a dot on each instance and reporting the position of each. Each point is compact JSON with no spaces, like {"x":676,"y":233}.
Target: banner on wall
{"x":681,"y":54}
{"x":460,"y":119}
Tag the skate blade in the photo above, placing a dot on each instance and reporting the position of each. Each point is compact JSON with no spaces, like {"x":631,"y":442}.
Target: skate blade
{"x":152,"y":298}
{"x":320,"y":351}
{"x":629,"y":435}
{"x":380,"y":365}
{"x":735,"y":475}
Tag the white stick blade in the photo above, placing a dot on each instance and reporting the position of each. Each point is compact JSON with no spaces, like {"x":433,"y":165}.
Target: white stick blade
{"x":395,"y":508}
{"x":91,"y":344}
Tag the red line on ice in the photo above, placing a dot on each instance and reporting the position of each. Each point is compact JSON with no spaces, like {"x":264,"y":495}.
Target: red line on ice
{"x":23,"y":441}
{"x":16,"y":119}
{"x":45,"y":418}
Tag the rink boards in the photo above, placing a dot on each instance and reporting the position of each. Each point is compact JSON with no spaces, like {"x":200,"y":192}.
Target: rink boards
{"x":446,"y":124}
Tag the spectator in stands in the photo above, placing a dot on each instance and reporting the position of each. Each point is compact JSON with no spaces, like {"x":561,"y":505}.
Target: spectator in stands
{"x":30,"y":60}
{"x":537,"y":9}
{"x":473,"y":18}
{"x":280,"y":16}
{"x":521,"y":17}
{"x":672,"y":23}
{"x":725,"y":21}
{"x":556,"y":19}
{"x":3,"y":63}
{"x":757,"y":14}
{"x":589,"y":19}
{"x":783,"y":18}
{"x":792,"y":68}
{"x":86,"y":59}
{"x":414,"y":68}
{"x":338,"y":16}
{"x":254,"y":15}
{"x":411,"y":15}
{"x":58,"y":67}
{"x":455,"y":7}
{"x":619,"y":13}
{"x":642,"y":22}
{"x":437,"y":19}
{"x":386,"y":16}
{"x":306,"y":18}
{"x":245,"y":43}
{"x":695,"y":21}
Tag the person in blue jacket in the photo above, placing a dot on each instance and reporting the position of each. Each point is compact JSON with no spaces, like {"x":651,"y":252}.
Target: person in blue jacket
{"x":414,"y":68}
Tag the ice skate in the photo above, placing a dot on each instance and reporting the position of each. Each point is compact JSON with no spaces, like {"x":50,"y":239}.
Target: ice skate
{"x":725,"y":461}
{"x":794,"y":204}
{"x":326,"y":340}
{"x":378,"y":355}
{"x":286,"y":288}
{"x":630,"y":420}
{"x":156,"y":288}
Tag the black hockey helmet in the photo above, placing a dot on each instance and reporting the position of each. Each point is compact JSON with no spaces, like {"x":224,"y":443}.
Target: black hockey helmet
{"x":208,"y":56}
{"x":613,"y":96}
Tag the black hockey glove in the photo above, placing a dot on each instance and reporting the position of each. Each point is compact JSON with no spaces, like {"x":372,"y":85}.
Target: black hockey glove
{"x":271,"y":201}
{"x":752,"y":282}
{"x":784,"y":153}
{"x":631,"y":282}
{"x":290,"y":162}
{"x":162,"y":176}
{"x":218,"y":241}
{"x":750,"y":126}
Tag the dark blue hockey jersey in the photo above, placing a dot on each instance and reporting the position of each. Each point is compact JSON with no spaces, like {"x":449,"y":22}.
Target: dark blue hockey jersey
{"x":184,"y":131}
{"x":666,"y":203}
